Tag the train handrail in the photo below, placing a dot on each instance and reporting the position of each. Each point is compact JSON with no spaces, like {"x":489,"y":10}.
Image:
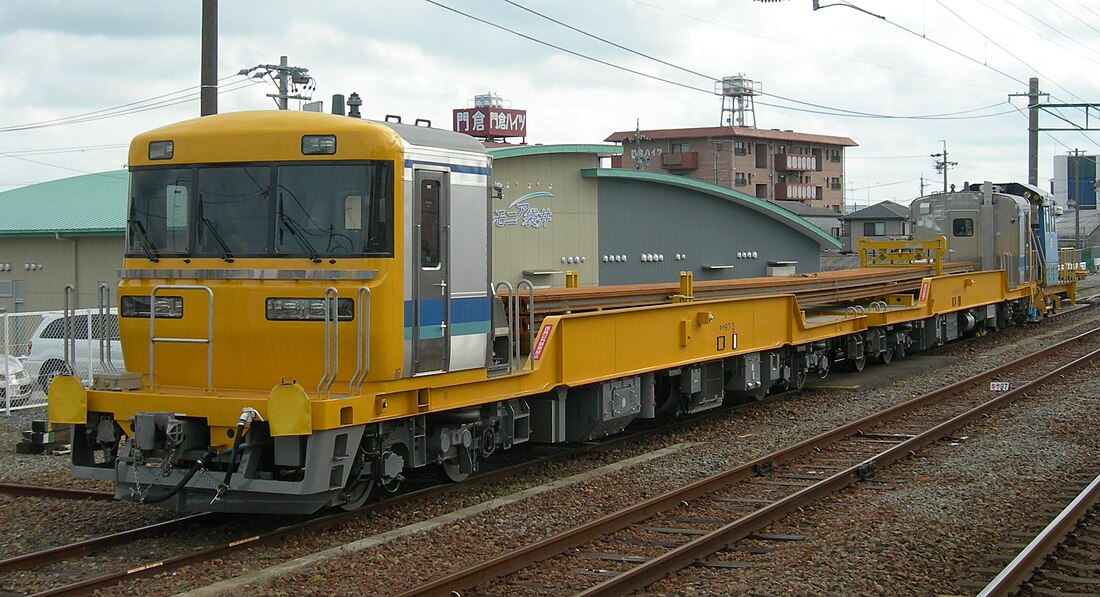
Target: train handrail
{"x":512,"y":328}
{"x":105,"y":362}
{"x":530,"y":318}
{"x":1011,"y":272}
{"x":332,"y":340}
{"x":208,"y":340}
{"x":875,"y":253}
{"x":69,"y":328}
{"x":362,"y":341}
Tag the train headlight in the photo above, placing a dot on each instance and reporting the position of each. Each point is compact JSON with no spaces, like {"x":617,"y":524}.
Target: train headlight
{"x":307,"y":309}
{"x":168,"y":307}
{"x":318,"y":144}
{"x":161,"y":150}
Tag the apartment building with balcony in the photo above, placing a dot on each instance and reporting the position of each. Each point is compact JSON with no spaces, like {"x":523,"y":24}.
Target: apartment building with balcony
{"x":765,"y":163}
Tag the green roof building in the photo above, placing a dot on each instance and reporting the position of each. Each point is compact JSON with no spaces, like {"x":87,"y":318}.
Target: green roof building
{"x":68,"y":231}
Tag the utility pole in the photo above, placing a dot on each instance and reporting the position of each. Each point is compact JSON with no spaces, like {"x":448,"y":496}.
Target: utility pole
{"x":286,"y":78}
{"x":1033,"y":94}
{"x":208,"y":76}
{"x":941,"y":164}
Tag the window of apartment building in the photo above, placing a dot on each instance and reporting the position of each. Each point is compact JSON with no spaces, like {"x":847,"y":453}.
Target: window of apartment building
{"x":782,"y":149}
{"x":834,"y":183}
{"x":761,"y":155}
{"x":739,"y":147}
{"x":874,"y":229}
{"x":739,"y":179}
{"x":834,"y":155}
{"x":761,"y":191}
{"x":680,"y":148}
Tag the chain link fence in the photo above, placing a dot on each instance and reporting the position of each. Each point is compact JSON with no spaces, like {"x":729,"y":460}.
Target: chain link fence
{"x":33,"y":352}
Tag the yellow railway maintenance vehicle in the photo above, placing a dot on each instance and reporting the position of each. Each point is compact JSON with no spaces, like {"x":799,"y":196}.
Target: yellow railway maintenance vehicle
{"x":307,"y":311}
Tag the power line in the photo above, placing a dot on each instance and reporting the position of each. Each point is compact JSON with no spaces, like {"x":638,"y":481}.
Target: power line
{"x":1084,"y":6}
{"x":1043,"y":23}
{"x":1002,"y":48}
{"x":1087,"y":24}
{"x":160,"y":101}
{"x":827,"y":110}
{"x":57,"y":150}
{"x":880,"y":185}
{"x":40,"y":163}
{"x":609,"y":42}
{"x":566,"y":50}
{"x":787,"y":41}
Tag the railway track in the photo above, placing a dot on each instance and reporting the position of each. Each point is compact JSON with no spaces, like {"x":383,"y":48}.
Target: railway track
{"x":1075,"y":532}
{"x":64,"y":493}
{"x":150,"y":566}
{"x":251,"y":539}
{"x":702,"y":522}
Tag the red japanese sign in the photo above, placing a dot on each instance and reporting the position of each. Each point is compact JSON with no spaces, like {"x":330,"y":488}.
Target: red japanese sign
{"x":491,"y":122}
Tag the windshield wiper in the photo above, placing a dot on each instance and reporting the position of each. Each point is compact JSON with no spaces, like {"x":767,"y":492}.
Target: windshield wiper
{"x":299,"y":235}
{"x":219,"y":242}
{"x":147,"y":245}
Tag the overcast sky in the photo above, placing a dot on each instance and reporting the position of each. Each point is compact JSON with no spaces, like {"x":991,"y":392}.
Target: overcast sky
{"x":414,"y":58}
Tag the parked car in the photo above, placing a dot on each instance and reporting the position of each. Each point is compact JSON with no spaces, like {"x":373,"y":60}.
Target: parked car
{"x":46,"y":348}
{"x":15,"y":382}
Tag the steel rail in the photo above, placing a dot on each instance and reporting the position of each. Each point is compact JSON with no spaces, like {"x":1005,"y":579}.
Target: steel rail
{"x":65,"y":493}
{"x":558,"y":544}
{"x":62,"y":552}
{"x":486,"y":478}
{"x":657,"y":568}
{"x":332,"y":520}
{"x":1031,"y":557}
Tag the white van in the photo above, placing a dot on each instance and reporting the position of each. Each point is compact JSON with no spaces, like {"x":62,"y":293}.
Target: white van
{"x":46,"y":348}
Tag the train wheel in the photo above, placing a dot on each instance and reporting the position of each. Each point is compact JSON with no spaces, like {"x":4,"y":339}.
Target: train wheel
{"x":886,"y":356}
{"x":859,"y":363}
{"x":799,"y":380}
{"x":357,"y":492}
{"x":452,"y":470}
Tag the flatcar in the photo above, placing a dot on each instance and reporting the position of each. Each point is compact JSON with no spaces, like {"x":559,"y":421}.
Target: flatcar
{"x":307,"y":312}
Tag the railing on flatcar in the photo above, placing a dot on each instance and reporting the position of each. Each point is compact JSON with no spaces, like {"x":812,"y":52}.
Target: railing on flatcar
{"x":1070,"y":267}
{"x":877,"y":253}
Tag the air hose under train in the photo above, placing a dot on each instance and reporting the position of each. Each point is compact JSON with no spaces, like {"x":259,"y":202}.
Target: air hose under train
{"x":247,"y":416}
{"x":210,"y":456}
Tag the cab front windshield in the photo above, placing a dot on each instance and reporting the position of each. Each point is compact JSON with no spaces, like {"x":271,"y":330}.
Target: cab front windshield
{"x":262,"y":210}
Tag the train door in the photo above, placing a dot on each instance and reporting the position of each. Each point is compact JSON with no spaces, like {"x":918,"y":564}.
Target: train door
{"x":431,"y":299}
{"x":964,"y":230}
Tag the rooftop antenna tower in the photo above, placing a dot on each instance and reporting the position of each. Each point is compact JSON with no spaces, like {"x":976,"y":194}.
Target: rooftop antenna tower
{"x":737,"y":106}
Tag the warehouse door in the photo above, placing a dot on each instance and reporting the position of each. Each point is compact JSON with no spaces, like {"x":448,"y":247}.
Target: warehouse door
{"x":431,"y":326}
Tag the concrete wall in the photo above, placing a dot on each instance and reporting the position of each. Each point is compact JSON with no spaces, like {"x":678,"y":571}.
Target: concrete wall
{"x":81,"y":261}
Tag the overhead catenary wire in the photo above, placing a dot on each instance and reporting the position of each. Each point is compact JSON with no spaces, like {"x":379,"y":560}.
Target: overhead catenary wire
{"x":1040,"y":21}
{"x":827,"y":110}
{"x":791,"y":42}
